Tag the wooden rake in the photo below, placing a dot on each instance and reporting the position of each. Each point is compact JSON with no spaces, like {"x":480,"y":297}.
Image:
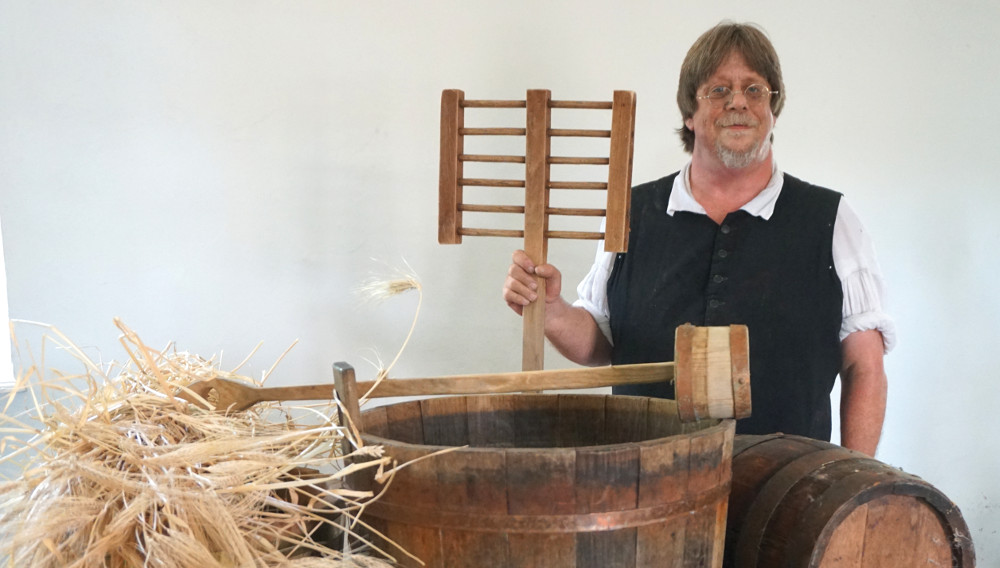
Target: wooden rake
{"x":537,"y":159}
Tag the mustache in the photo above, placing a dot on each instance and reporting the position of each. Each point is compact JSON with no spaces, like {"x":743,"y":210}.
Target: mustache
{"x":737,"y":118}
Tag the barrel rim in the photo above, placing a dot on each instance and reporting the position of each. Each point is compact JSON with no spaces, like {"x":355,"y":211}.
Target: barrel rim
{"x":954,"y":526}
{"x":721,"y":425}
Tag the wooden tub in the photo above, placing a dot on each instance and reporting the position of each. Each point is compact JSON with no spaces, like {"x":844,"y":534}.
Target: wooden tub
{"x":552,"y":480}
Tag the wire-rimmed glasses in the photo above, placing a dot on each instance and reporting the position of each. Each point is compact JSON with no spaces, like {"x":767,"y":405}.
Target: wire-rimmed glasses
{"x":721,"y":94}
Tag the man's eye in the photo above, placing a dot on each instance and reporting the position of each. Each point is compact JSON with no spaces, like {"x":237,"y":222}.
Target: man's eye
{"x":718,"y":91}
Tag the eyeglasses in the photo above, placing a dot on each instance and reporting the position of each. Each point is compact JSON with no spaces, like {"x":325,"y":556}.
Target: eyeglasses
{"x":755,"y":93}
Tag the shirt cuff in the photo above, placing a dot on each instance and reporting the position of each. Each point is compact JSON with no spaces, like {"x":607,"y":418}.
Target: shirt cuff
{"x":863,"y":307}
{"x":871,"y":320}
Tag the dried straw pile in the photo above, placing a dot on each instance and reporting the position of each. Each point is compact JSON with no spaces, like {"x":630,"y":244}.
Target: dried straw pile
{"x":116,"y":471}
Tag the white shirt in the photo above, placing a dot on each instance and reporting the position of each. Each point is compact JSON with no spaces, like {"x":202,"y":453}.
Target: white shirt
{"x":853,"y":258}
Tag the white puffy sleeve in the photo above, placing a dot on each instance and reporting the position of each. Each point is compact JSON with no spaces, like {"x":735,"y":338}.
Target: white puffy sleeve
{"x":861,"y":278}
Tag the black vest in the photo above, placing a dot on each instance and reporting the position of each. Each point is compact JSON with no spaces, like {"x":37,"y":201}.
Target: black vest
{"x":775,"y":276}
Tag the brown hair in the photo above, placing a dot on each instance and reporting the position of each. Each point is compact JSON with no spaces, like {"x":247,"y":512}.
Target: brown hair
{"x":709,"y":51}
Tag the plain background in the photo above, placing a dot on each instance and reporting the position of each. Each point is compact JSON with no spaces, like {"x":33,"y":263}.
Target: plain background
{"x":220,"y":174}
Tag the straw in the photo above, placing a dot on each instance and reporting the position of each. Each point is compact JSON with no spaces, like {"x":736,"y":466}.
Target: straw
{"x":378,"y":289}
{"x":117,"y":471}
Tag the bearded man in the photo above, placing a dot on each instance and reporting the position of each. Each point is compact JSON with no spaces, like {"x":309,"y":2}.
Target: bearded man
{"x":728,"y":239}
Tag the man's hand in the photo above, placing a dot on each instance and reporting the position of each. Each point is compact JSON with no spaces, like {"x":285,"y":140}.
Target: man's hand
{"x":572,"y":330}
{"x":520,"y":287}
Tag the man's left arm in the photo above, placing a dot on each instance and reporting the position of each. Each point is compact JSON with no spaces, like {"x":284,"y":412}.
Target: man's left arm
{"x":863,"y":391}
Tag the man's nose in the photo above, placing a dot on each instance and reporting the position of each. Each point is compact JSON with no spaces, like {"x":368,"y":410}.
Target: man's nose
{"x":737,"y":103}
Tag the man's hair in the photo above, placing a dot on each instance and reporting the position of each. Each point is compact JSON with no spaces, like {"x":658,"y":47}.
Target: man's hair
{"x":709,"y":51}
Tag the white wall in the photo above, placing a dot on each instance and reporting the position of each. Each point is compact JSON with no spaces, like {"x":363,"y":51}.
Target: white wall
{"x":223,"y":173}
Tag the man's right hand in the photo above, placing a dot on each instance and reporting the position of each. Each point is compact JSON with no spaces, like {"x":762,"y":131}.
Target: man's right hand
{"x":520,"y":287}
{"x":572,"y":330}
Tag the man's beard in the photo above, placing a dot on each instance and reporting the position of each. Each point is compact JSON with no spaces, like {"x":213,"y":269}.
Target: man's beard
{"x":740,"y":159}
{"x":736,"y":159}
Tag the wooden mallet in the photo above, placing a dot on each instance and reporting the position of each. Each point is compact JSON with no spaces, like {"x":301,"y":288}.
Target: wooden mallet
{"x":710,"y":371}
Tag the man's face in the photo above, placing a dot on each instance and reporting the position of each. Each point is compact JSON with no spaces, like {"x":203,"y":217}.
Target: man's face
{"x":734,"y":132}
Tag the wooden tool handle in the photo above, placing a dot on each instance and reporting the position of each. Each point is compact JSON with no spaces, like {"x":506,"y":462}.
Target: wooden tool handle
{"x":522,"y":381}
{"x":536,"y":222}
{"x":309,"y":392}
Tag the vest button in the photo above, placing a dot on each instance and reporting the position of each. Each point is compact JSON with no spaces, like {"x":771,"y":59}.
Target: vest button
{"x":725,"y":229}
{"x":718,"y":278}
{"x":714,"y":304}
{"x":723,"y":253}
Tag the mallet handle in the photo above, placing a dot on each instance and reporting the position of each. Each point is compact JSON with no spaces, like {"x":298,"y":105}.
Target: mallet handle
{"x":582,"y":378}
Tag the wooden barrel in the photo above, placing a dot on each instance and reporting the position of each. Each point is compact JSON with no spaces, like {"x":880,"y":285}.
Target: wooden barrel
{"x":798,"y":502}
{"x":552,"y":480}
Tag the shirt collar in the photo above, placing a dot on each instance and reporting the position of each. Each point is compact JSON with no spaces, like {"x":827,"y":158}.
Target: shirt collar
{"x":760,"y":206}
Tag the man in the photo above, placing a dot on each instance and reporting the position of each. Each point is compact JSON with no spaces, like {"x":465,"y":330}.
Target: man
{"x":732,"y":239}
